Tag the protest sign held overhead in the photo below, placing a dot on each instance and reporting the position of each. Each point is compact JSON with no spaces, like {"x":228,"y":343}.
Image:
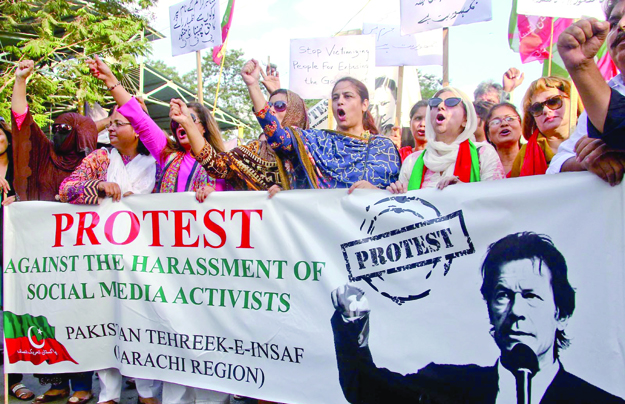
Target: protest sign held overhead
{"x":425,"y":15}
{"x":561,"y":8}
{"x":317,"y":63}
{"x":194,"y":25}
{"x":394,"y":49}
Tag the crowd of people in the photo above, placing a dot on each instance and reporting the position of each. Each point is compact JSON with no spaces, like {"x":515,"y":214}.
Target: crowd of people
{"x":456,"y":140}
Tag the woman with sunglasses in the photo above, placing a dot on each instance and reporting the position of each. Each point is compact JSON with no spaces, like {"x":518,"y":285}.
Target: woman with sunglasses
{"x":547,"y":107}
{"x":450,"y":155}
{"x":503,"y":129}
{"x":351,"y":157}
{"x":180,"y":171}
{"x":40,"y":164}
{"x":254,"y":166}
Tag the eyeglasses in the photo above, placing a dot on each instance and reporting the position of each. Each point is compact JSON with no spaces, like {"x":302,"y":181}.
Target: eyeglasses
{"x":117,"y":124}
{"x":279,"y":106}
{"x":449,"y":102}
{"x":62,"y":129}
{"x":553,"y":103}
{"x":497,"y":121}
{"x":173,"y":125}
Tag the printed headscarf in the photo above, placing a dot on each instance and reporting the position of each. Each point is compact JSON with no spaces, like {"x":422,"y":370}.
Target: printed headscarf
{"x":296,"y":112}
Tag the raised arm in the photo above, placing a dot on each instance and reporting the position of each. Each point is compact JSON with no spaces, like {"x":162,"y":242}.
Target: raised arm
{"x":271,"y":79}
{"x":150,"y":134}
{"x":577,"y":46}
{"x":278,"y":138}
{"x":18,"y":99}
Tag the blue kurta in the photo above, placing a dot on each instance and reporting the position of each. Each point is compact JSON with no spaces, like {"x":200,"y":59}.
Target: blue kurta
{"x":330,"y":159}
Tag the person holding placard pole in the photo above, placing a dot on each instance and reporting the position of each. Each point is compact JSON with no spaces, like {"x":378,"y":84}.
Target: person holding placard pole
{"x":352,"y":157}
{"x":450,"y":155}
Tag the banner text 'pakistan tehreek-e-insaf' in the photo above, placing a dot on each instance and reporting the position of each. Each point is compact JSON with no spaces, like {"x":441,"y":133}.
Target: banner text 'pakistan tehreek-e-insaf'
{"x":325,"y":297}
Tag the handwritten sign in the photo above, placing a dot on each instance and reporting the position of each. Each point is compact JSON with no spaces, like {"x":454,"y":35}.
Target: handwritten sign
{"x":561,"y":8}
{"x":317,"y":63}
{"x":393,"y":49}
{"x":195,"y":25}
{"x":426,"y":15}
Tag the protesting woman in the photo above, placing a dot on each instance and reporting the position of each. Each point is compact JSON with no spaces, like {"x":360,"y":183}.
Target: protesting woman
{"x":125,"y":170}
{"x":449,"y":156}
{"x":40,"y":164}
{"x":353,"y":156}
{"x":255,"y":166}
{"x":503,"y":129}
{"x":417,"y":128}
{"x":546,"y":124}
{"x":180,"y":172}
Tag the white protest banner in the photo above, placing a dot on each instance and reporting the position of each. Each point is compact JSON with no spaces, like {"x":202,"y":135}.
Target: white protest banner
{"x":238,"y":294}
{"x":317,"y":63}
{"x":194,"y":25}
{"x":393,"y":49}
{"x":561,"y":8}
{"x":425,"y":15}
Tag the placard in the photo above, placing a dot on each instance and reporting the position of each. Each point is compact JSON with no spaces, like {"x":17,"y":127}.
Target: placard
{"x":194,"y":25}
{"x":426,"y":15}
{"x":394,"y":49}
{"x":317,"y":63}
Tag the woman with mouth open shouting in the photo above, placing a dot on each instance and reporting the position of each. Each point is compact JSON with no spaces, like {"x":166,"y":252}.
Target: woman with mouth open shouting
{"x":503,"y":129}
{"x":180,"y":171}
{"x":449,"y":156}
{"x":547,"y":106}
{"x":353,"y":156}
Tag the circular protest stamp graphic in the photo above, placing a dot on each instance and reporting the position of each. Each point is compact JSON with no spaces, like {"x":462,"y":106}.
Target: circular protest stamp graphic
{"x":408,"y":242}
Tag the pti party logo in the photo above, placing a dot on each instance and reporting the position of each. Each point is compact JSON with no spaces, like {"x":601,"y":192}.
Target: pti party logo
{"x":32,"y":339}
{"x":410,"y":247}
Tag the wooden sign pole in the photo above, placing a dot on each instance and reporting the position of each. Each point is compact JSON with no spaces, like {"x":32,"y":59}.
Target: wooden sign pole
{"x":400,"y":91}
{"x":200,"y":90}
{"x":550,"y":47}
{"x":445,"y":57}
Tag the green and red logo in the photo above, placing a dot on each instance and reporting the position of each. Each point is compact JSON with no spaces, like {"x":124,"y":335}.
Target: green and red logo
{"x":32,"y":339}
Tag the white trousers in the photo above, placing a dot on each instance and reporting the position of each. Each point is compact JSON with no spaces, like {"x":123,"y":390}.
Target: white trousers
{"x":111,"y":386}
{"x":178,"y":394}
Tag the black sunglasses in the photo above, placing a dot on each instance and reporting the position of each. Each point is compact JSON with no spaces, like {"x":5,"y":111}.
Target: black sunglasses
{"x":449,"y":102}
{"x":279,"y":106}
{"x":173,"y":125}
{"x":62,"y":129}
{"x":553,"y":103}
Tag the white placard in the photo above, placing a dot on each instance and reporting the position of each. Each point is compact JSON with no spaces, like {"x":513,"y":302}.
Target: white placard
{"x":561,"y":8}
{"x":194,"y":25}
{"x":426,"y":15}
{"x":317,"y":63}
{"x":393,"y":49}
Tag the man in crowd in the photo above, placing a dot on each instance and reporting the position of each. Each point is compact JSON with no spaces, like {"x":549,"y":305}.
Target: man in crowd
{"x":529,"y":301}
{"x":577,"y":46}
{"x":495,"y":93}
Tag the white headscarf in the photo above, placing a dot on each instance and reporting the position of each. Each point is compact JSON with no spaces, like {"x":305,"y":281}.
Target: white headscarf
{"x":441,"y":157}
{"x":138,"y":176}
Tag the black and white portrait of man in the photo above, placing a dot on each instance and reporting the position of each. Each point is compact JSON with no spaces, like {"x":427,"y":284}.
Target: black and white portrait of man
{"x":529,"y":301}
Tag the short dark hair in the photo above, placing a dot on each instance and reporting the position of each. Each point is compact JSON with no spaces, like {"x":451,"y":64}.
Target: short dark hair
{"x":528,"y":245}
{"x":608,"y":7}
{"x":486,"y":87}
{"x":415,"y":108}
{"x":491,"y":112}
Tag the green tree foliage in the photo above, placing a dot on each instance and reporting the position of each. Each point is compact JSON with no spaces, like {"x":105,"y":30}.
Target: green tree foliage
{"x":429,"y":84}
{"x":59,"y":35}
{"x":233,"y":94}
